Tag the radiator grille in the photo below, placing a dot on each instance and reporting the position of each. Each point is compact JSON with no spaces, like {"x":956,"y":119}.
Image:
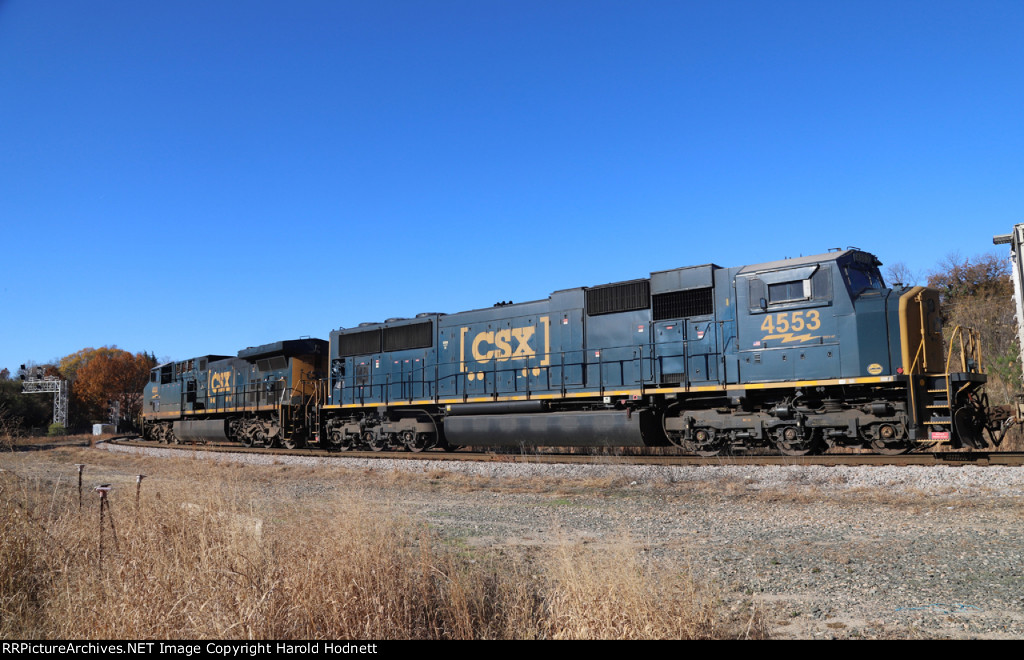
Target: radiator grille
{"x":626,"y":297}
{"x":683,"y":304}
{"x":366,"y":342}
{"x":403,"y":337}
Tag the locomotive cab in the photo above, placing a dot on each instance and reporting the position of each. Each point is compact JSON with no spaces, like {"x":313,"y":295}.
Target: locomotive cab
{"x":835,"y":357}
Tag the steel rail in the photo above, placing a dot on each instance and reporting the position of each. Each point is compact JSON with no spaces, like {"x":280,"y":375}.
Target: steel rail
{"x":980,"y":458}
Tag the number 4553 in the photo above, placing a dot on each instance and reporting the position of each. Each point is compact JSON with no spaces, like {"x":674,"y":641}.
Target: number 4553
{"x":792,"y":321}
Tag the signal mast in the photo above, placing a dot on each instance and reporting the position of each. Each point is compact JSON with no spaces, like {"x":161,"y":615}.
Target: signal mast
{"x":1016,"y":241}
{"x":34,"y":382}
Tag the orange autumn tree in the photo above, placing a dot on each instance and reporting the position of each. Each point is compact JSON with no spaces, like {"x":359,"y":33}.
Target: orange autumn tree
{"x":70,"y":364}
{"x":104,"y":375}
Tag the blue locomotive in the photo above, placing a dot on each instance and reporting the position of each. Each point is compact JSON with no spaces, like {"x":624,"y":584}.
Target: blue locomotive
{"x":262,"y":397}
{"x":800,"y":355}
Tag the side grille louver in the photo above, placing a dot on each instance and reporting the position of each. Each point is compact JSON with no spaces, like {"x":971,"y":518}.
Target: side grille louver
{"x":683,"y":304}
{"x":613,"y":298}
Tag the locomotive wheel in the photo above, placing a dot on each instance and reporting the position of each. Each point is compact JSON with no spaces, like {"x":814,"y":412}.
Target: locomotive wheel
{"x":889,"y":441}
{"x":375,"y":440}
{"x":336,"y":439}
{"x":891,"y":449}
{"x":417,"y":441}
{"x":414,"y":442}
{"x":251,"y":433}
{"x":272,"y":434}
{"x":792,"y":441}
{"x":706,"y":442}
{"x":292,"y":442}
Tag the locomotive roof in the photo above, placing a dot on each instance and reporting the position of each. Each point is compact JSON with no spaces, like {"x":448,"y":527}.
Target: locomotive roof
{"x":799,"y":261}
{"x":753,"y":268}
{"x":208,"y":358}
{"x":287,"y":348}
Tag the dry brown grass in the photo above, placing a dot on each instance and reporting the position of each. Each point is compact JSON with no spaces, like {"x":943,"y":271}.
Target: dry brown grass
{"x":240,"y":557}
{"x":1014,"y":439}
{"x":9,"y":428}
{"x":614,"y":594}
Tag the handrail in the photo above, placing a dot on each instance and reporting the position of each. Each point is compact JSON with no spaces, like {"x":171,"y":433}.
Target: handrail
{"x":378,"y":389}
{"x":969,"y":351}
{"x":917,"y":355}
{"x":274,"y":397}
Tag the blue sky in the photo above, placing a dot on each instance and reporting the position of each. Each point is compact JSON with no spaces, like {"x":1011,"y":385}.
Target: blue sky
{"x":197,"y":177}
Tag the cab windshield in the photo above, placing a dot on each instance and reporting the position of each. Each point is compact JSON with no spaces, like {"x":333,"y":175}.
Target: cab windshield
{"x":861,"y":277}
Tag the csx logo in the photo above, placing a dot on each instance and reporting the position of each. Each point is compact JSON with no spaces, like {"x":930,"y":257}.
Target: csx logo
{"x":507,"y":344}
{"x":220,"y":382}
{"x":499,"y":345}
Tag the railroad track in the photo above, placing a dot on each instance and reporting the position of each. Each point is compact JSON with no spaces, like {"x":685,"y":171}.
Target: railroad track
{"x":923,"y":458}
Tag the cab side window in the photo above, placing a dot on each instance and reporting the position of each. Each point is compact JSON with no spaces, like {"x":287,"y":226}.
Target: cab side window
{"x":786,"y":287}
{"x":789,"y":291}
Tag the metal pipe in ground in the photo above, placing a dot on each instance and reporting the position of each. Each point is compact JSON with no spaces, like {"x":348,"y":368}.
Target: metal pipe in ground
{"x":80,"y":467}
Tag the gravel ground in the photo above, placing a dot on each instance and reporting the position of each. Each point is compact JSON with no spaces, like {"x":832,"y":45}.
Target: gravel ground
{"x":825,"y":552}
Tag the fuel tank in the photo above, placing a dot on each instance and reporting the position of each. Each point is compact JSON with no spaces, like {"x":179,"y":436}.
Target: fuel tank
{"x":604,"y":428}
{"x":205,"y":430}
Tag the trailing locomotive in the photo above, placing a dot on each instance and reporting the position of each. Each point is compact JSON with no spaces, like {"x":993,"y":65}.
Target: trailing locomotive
{"x":801,"y":355}
{"x":262,"y":397}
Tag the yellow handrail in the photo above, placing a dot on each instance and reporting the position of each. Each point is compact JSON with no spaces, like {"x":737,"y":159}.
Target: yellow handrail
{"x":969,"y":351}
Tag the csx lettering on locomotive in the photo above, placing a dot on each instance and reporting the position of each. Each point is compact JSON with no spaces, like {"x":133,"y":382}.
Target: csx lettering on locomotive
{"x":506,"y":344}
{"x":220,"y":382}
